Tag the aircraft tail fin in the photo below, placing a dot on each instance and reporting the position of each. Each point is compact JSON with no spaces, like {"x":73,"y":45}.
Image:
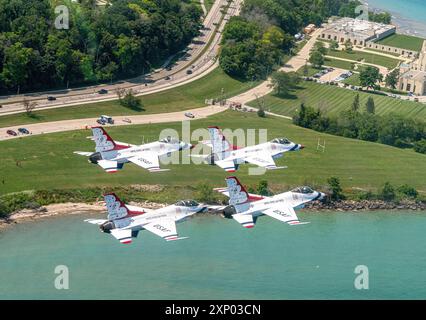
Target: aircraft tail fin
{"x":104,"y":142}
{"x":218,"y":141}
{"x":117,"y":209}
{"x":237,"y":192}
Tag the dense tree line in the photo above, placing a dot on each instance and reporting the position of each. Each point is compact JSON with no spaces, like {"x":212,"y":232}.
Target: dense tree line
{"x":254,"y":43}
{"x":349,"y":10}
{"x":120,"y":40}
{"x":392,"y":129}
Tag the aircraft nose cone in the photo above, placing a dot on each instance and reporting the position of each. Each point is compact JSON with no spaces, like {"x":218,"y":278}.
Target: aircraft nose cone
{"x":301,"y":146}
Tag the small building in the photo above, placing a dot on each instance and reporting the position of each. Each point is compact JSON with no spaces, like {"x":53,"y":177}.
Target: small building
{"x":309,"y":29}
{"x":357,"y":31}
{"x":413,"y":81}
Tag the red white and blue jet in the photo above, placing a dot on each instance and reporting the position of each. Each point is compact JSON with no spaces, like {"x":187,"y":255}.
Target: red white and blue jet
{"x":112,"y":155}
{"x":125,"y":221}
{"x":229,"y":157}
{"x":245,"y":208}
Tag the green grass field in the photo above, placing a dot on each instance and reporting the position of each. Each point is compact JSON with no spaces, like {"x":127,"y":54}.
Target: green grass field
{"x":338,"y":64}
{"x":48,"y":162}
{"x":403,"y":41}
{"x":366,"y":57}
{"x":332,"y":100}
{"x":185,"y":97}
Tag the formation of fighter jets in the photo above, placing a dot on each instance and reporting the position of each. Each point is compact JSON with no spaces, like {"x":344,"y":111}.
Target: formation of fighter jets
{"x":125,"y":221}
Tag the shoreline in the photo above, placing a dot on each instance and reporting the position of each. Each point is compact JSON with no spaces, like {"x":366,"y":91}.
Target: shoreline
{"x":64,"y":209}
{"x":404,"y":25}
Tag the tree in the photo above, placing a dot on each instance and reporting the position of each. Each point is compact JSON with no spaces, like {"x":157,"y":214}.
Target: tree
{"x":261,"y":113}
{"x":205,"y":193}
{"x":334,"y":45}
{"x":388,"y":192}
{"x":392,"y":79}
{"x":336,"y":189}
{"x":320,"y":47}
{"x":316,"y":59}
{"x":420,"y":146}
{"x":129,"y":100}
{"x":283,"y":82}
{"x":408,"y":191}
{"x":369,"y":77}
{"x":370,"y":106}
{"x":29,"y":106}
{"x":355,"y":103}
{"x":262,"y":188}
{"x":348,"y":46}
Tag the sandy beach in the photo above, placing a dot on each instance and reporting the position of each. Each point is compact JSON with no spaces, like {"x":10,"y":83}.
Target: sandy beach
{"x":55,"y":210}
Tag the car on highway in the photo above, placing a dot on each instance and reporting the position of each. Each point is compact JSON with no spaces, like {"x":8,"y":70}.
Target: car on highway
{"x":189,"y":71}
{"x":11,"y":133}
{"x":51,"y":98}
{"x":103,"y":91}
{"x":23,"y":131}
{"x":167,"y":78}
{"x":189,"y":115}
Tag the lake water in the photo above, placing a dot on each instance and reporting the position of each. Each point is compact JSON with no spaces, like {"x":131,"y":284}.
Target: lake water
{"x":221,"y":260}
{"x":408,"y":14}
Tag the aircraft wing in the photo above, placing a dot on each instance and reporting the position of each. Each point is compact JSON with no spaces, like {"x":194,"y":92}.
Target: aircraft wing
{"x":82,"y":153}
{"x":284,"y":214}
{"x":246,"y":220}
{"x":123,"y":235}
{"x":96,"y":221}
{"x":263,"y":160}
{"x":227,"y":165}
{"x":165,"y":228}
{"x":148,"y":161}
{"x":108,"y":165}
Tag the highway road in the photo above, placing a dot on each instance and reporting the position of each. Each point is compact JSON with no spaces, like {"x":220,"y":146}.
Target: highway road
{"x":200,"y":58}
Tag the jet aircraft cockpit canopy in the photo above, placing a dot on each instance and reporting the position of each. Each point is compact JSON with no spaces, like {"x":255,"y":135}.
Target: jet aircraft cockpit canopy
{"x":281,"y":141}
{"x":187,"y":203}
{"x":304,"y":190}
{"x":170,"y":139}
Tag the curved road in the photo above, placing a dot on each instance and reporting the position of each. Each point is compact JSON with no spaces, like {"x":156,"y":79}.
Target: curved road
{"x":199,"y":58}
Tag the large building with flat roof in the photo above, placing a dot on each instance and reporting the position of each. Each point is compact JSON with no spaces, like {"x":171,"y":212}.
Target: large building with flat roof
{"x":413,"y":76}
{"x":357,"y":31}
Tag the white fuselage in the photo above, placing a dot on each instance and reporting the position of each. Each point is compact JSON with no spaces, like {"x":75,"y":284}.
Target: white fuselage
{"x":293,"y":199}
{"x":274,"y":149}
{"x":173,"y":212}
{"x":159,"y":148}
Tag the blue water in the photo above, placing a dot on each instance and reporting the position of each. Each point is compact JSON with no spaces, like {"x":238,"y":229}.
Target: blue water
{"x":410,"y":14}
{"x":221,"y":260}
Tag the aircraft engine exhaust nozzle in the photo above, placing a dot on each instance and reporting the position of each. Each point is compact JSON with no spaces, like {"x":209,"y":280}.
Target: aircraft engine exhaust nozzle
{"x":228,"y":212}
{"x":95,"y":158}
{"x":107,"y":227}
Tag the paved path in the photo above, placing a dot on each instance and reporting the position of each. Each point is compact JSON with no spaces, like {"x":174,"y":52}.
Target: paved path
{"x":294,"y":64}
{"x":78,"y":124}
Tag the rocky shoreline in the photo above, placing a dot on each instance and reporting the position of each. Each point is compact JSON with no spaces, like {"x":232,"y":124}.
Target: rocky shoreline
{"x":365,"y":205}
{"x":55,"y":210}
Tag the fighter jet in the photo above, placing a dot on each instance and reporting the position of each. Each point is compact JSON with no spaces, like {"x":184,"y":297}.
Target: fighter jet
{"x":229,"y":157}
{"x":124,"y":221}
{"x":112,"y":155}
{"x":245,"y":208}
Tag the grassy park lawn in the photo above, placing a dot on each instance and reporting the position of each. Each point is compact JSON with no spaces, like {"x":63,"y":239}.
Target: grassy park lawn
{"x":403,"y":41}
{"x":366,"y":57}
{"x":332,"y":100}
{"x":185,"y":97}
{"x":338,"y":64}
{"x":48,"y":162}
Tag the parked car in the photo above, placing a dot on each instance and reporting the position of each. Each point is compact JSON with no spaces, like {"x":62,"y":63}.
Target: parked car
{"x":103,"y":91}
{"x":189,"y":115}
{"x":23,"y":131}
{"x":11,"y":133}
{"x":105,"y":119}
{"x":51,"y":98}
